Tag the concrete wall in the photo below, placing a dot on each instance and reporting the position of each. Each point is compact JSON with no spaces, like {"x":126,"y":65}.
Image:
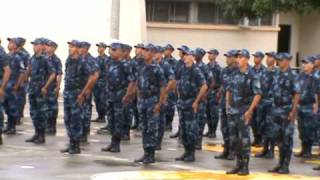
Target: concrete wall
{"x":310,"y":34}
{"x":223,"y":38}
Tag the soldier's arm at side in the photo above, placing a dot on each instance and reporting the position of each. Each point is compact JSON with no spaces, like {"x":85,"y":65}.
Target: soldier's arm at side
{"x":202,"y":93}
{"x":51,"y":78}
{"x":253,"y":105}
{"x":20,"y":80}
{"x":295,"y":100}
{"x":6,"y":76}
{"x":87,"y":90}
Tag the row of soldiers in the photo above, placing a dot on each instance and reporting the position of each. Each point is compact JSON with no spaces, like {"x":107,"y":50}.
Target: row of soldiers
{"x":152,"y":84}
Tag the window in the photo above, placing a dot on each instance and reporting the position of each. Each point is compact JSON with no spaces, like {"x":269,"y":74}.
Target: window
{"x":167,"y":11}
{"x":211,"y":13}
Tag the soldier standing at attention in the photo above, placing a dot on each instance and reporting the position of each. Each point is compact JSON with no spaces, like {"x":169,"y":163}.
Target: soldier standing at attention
{"x":42,"y":74}
{"x":4,"y":75}
{"x":80,"y":78}
{"x":99,"y":94}
{"x":213,"y":96}
{"x":201,"y":114}
{"x":13,"y":89}
{"x":242,"y":97}
{"x":316,"y":75}
{"x":121,"y":81}
{"x":286,"y":94}
{"x":171,"y":83}
{"x":151,"y":89}
{"x":265,"y":108}
{"x":226,"y":75}
{"x":258,"y":69}
{"x":192,"y":87}
{"x":172,"y":97}
{"x":54,"y":88}
{"x":308,"y":107}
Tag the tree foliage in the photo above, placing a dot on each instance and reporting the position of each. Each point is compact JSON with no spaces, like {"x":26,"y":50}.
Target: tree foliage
{"x":258,"y":8}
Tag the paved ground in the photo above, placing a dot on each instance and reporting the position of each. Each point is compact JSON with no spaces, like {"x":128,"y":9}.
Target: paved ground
{"x":19,"y":160}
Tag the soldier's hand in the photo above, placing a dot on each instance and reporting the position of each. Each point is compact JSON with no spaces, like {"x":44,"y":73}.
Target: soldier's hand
{"x":57,"y":92}
{"x":292,"y":116}
{"x":15,"y":88}
{"x":125,"y":100}
{"x":315,"y":108}
{"x":195,"y":107}
{"x":1,"y":93}
{"x":157,"y":108}
{"x":44,"y":91}
{"x":247,"y":117}
{"x":80,"y":99}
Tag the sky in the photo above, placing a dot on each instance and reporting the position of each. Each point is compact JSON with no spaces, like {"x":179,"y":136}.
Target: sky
{"x":59,"y":20}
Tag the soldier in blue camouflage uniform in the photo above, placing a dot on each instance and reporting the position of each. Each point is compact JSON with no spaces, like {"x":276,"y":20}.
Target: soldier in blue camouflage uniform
{"x":151,"y":91}
{"x":192,"y":87}
{"x":308,"y":107}
{"x":80,"y":78}
{"x":285,"y":94}
{"x":170,"y":79}
{"x":172,"y":97}
{"x":24,"y":85}
{"x":316,"y":75}
{"x":137,"y":65}
{"x":129,"y":109}
{"x":4,"y":75}
{"x":265,"y":108}
{"x":42,"y":74}
{"x":179,"y":66}
{"x":99,"y":91}
{"x":54,"y":88}
{"x":120,"y":80}
{"x":213,"y":96}
{"x":242,"y":97}
{"x":258,"y":69}
{"x":14,"y":90}
{"x":226,"y":74}
{"x":84,"y":52}
{"x":201,"y":114}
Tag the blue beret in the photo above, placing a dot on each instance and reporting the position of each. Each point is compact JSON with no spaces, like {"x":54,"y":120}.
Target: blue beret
{"x":85,"y":44}
{"x":38,"y":41}
{"x":115,"y":45}
{"x":139,"y":45}
{"x":149,"y":47}
{"x":309,"y":59}
{"x":199,"y":52}
{"x":283,"y":55}
{"x":213,"y":51}
{"x":159,"y":49}
{"x":101,"y":44}
{"x":184,"y":48}
{"x":271,"y":53}
{"x":169,"y":46}
{"x":75,"y":43}
{"x":231,"y":53}
{"x":51,"y":43}
{"x":18,"y":41}
{"x":244,"y":52}
{"x":258,"y":54}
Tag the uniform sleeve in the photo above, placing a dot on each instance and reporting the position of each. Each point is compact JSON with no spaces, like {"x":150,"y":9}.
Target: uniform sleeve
{"x":208,"y":74}
{"x":89,"y":67}
{"x":169,"y":72}
{"x":129,"y":71}
{"x":256,"y":86}
{"x":296,"y":85}
{"x":4,"y":59}
{"x":20,"y":65}
{"x":216,"y":77}
{"x":59,"y":67}
{"x":50,"y":66}
{"x":161,"y":77}
{"x":200,"y":78}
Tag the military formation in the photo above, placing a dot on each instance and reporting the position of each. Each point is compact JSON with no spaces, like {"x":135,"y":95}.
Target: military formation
{"x":144,"y":93}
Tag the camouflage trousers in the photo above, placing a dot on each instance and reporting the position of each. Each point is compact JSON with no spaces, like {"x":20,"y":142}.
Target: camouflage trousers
{"x":307,"y":124}
{"x":1,"y":114}
{"x":150,"y":121}
{"x":38,"y":110}
{"x":52,"y":107}
{"x":87,"y":115}
{"x":116,"y":118}
{"x":239,"y":134}
{"x":73,"y":115}
{"x":99,"y":97}
{"x":189,"y":124}
{"x":170,"y":108}
{"x":263,"y":111}
{"x":201,"y":117}
{"x":212,"y":114}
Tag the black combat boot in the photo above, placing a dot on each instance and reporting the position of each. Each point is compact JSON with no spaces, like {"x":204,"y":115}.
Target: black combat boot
{"x":34,"y":137}
{"x":115,"y":148}
{"x":149,"y":159}
{"x":140,"y":160}
{"x":190,"y":157}
{"x":41,"y":137}
{"x":181,"y":158}
{"x":225,"y":152}
{"x":236,"y":169}
{"x":199,"y":143}
{"x":270,"y":153}
{"x":284,"y":169}
{"x":12,"y":129}
{"x":316,"y":168}
{"x":67,"y":148}
{"x":281,"y":161}
{"x":244,"y":168}
{"x":75,"y":148}
{"x":308,"y":151}
{"x":1,"y":141}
